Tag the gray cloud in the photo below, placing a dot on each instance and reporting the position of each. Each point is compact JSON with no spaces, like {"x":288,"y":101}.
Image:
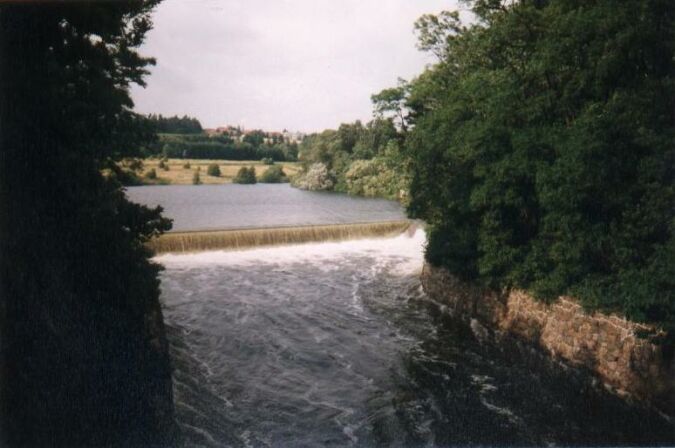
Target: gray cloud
{"x":295,"y":64}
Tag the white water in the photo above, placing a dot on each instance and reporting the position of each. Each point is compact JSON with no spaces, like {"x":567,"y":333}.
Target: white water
{"x":335,"y":344}
{"x":406,"y":248}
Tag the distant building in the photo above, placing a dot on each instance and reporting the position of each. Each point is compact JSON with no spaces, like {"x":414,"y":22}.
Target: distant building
{"x":292,"y":137}
{"x":238,"y":134}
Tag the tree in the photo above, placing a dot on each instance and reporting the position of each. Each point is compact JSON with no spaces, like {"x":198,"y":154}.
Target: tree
{"x":175,"y":125}
{"x":213,"y":170}
{"x":543,"y":150}
{"x":196,"y":179}
{"x":273,"y":175}
{"x":348,"y":135}
{"x":245,"y":176}
{"x":255,"y":138}
{"x":84,"y":358}
{"x":392,"y":102}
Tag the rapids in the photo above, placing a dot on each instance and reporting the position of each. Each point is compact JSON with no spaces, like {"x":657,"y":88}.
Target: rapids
{"x":334,"y":344}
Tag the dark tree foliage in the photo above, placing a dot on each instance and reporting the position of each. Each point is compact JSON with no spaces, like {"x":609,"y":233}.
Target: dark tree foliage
{"x":84,"y":359}
{"x":543,"y":150}
{"x":211,"y":149}
{"x":255,"y":138}
{"x":213,"y":170}
{"x":175,"y":124}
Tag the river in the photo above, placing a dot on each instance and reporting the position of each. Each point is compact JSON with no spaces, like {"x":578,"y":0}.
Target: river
{"x":206,"y":207}
{"x":335,"y":344}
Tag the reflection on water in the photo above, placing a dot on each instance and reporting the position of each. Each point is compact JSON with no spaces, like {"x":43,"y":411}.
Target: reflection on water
{"x":333,"y":344}
{"x":202,"y":207}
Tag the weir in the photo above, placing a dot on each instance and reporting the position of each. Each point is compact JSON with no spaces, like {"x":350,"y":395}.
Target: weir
{"x":194,"y":241}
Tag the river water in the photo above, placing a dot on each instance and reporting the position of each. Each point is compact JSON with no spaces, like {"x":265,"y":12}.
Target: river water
{"x":203,"y":207}
{"x":334,"y":344}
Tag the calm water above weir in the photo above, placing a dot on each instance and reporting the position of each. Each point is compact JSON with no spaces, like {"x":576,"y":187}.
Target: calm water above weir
{"x":202,"y":207}
{"x":333,"y":344}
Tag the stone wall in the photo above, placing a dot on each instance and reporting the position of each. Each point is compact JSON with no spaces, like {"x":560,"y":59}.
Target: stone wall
{"x":606,"y":345}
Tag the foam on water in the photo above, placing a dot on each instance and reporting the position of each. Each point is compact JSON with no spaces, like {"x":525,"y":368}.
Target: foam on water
{"x":407,"y":248}
{"x":335,"y":344}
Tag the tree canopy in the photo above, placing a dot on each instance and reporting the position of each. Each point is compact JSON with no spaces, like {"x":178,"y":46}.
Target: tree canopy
{"x":84,"y":359}
{"x":543,"y":147}
{"x":353,"y":156}
{"x":175,"y":124}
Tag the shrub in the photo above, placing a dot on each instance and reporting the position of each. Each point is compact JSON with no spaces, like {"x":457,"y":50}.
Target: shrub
{"x":245,"y":176}
{"x":152,"y":174}
{"x":125,"y":176}
{"x":274,"y":175}
{"x":375,"y":178}
{"x":316,"y":177}
{"x":267,"y":161}
{"x":213,"y":170}
{"x":187,"y":166}
{"x":196,"y":180}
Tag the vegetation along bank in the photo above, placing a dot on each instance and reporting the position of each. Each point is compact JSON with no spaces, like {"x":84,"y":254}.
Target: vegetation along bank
{"x":541,"y":154}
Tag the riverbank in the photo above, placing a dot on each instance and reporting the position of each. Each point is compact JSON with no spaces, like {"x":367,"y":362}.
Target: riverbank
{"x":623,"y":355}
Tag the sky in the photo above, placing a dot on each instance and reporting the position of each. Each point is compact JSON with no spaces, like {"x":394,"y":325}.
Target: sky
{"x":301,"y":65}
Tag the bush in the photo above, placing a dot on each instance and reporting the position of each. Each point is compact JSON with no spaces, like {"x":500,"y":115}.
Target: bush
{"x":316,"y":177}
{"x":196,"y":179}
{"x":267,"y":161}
{"x":375,"y":178}
{"x":274,"y":175}
{"x":245,"y":176}
{"x":187,"y":166}
{"x":152,"y":174}
{"x":213,"y":170}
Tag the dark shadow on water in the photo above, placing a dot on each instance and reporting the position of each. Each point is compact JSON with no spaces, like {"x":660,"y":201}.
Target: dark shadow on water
{"x":457,"y":391}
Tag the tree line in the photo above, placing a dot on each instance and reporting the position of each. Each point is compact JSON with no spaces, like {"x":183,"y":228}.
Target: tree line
{"x":175,"y":124}
{"x":221,"y":146}
{"x":355,"y":158}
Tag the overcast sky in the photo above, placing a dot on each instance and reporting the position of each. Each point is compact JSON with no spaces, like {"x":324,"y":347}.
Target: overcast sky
{"x":302,"y":65}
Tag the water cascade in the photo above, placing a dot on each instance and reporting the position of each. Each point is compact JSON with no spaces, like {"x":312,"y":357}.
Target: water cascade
{"x":246,"y":238}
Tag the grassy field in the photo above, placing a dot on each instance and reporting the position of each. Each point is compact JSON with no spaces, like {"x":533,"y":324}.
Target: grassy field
{"x":177,"y":175}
